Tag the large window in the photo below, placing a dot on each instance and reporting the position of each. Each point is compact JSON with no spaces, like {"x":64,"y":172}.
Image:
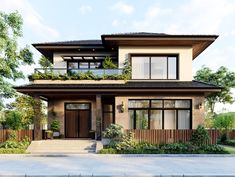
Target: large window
{"x":154,"y":67}
{"x":159,"y":114}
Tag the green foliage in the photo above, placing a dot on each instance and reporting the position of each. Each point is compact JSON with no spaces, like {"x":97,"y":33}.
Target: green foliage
{"x":25,"y":106}
{"x":224,"y":122}
{"x":12,"y":136}
{"x":108,"y":63}
{"x":55,"y":125}
{"x":126,"y":73}
{"x":12,"y":151}
{"x":126,"y":142}
{"x":45,"y":63}
{"x":108,"y":151}
{"x":12,"y":58}
{"x":229,"y":142}
{"x":200,"y":136}
{"x":114,"y":131}
{"x":175,"y":148}
{"x":14,"y":120}
{"x":223,"y":78}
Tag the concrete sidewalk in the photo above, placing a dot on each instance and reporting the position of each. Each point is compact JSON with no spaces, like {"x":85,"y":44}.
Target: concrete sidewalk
{"x":117,"y":165}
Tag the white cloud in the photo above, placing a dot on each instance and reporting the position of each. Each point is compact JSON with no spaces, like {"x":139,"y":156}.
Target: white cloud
{"x":195,"y":16}
{"x":31,"y":18}
{"x":85,"y":9}
{"x":123,"y":7}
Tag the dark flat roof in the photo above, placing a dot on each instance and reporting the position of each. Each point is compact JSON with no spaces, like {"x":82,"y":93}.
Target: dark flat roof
{"x":150,"y":34}
{"x":128,"y":85}
{"x":71,"y":43}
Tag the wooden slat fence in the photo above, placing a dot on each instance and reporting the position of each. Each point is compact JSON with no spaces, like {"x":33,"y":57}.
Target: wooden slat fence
{"x":21,"y":134}
{"x":172,"y":136}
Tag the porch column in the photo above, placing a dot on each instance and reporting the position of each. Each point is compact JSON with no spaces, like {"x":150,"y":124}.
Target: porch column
{"x":37,"y":118}
{"x":99,"y":118}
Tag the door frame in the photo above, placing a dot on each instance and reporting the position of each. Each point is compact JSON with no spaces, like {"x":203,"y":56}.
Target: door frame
{"x":89,"y":122}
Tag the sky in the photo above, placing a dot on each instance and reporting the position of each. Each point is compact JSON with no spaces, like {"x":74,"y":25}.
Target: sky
{"x":59,"y":20}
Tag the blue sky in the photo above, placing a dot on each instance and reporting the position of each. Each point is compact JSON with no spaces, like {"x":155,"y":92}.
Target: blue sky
{"x":58,"y":20}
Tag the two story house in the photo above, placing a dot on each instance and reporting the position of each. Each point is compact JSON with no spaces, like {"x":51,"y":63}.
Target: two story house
{"x":151,"y":88}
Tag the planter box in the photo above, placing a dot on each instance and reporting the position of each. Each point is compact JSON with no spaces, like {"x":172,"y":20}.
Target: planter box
{"x":56,"y":134}
{"x":79,"y":82}
{"x":105,"y":141}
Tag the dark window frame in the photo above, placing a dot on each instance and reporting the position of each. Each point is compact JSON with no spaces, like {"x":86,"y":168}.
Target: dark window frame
{"x":157,"y":55}
{"x":162,"y":109}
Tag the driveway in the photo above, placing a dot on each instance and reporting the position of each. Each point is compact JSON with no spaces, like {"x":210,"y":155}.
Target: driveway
{"x":117,"y":165}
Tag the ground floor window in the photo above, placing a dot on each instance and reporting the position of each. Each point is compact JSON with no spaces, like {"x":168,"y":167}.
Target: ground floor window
{"x":160,"y":114}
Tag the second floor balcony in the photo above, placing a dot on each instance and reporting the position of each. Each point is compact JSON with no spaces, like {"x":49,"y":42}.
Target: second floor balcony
{"x":78,"y":74}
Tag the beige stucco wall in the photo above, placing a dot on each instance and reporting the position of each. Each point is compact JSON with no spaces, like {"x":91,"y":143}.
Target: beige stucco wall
{"x":57,"y":106}
{"x":123,"y":118}
{"x":185,"y":57}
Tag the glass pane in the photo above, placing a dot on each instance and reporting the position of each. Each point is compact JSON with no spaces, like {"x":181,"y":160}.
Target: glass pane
{"x":95,"y":65}
{"x":183,"y":119}
{"x":108,"y":119}
{"x":138,"y":104}
{"x":182,"y":104}
{"x":172,"y":68}
{"x":83,"y":65}
{"x":169,"y":119}
{"x":156,"y":119}
{"x":158,"y":67}
{"x":141,"y":119}
{"x":108,"y":108}
{"x":156,"y":103}
{"x":77,"y":106}
{"x":169,"y":103}
{"x":131,"y":120}
{"x":72,"y":65}
{"x":140,"y":67}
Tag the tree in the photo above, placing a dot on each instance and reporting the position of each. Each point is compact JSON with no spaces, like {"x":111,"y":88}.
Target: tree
{"x":11,"y":58}
{"x":45,"y":63}
{"x":222,"y":78}
{"x":25,"y":106}
{"x":224,"y":122}
{"x":13,"y":120}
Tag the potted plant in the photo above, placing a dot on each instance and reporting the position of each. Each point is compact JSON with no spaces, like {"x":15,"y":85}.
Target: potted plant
{"x":55,"y":127}
{"x":112,"y":133}
{"x":49,"y":134}
{"x":92,"y":134}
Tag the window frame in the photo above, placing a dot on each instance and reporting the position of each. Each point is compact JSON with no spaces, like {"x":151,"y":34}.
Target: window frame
{"x":150,"y":63}
{"x":163,"y":113}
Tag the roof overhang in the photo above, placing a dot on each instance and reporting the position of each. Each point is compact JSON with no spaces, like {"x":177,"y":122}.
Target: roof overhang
{"x":198,"y":42}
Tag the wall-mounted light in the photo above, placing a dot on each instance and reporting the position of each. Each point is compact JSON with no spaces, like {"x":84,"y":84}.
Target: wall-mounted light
{"x":200,"y":106}
{"x":121,"y":107}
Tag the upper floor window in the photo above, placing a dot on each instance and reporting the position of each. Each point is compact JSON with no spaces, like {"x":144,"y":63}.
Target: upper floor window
{"x":154,"y":67}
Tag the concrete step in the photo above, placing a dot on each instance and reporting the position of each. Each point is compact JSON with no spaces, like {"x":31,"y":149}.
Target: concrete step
{"x":62,"y":146}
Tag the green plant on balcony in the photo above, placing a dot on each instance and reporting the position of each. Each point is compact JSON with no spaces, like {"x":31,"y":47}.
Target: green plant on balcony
{"x":45,"y":63}
{"x":126,"y":72}
{"x":108,"y":63}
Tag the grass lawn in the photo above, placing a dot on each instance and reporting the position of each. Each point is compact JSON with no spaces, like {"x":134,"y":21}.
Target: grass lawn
{"x":230,"y":150}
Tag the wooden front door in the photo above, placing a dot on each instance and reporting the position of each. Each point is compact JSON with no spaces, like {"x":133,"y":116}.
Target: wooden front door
{"x":77,"y":121}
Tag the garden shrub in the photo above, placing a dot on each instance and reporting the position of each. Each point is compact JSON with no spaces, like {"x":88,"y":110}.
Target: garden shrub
{"x":108,"y":151}
{"x":55,"y":125}
{"x":114,"y":132}
{"x":200,"y":136}
{"x":12,"y":151}
{"x":229,"y":142}
{"x":108,"y":63}
{"x":176,"y":148}
{"x":12,"y":135}
{"x":13,"y":120}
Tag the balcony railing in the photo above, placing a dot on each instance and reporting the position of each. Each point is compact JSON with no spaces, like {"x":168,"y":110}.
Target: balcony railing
{"x":96,"y":72}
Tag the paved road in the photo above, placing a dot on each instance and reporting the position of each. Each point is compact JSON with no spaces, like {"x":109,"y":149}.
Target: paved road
{"x":116,"y":165}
